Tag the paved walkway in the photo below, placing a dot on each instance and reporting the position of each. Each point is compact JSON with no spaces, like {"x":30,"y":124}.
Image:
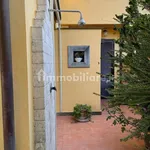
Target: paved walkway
{"x":99,"y":135}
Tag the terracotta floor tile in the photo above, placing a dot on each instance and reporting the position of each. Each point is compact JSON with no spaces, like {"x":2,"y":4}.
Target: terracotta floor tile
{"x":59,"y":145}
{"x":96,"y":135}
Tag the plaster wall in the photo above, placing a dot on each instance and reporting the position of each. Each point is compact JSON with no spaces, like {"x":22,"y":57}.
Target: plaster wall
{"x":80,"y":91}
{"x":94,"y":11}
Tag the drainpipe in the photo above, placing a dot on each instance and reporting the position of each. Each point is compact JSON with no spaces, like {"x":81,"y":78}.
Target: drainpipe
{"x":7,"y":81}
{"x":60,"y":62}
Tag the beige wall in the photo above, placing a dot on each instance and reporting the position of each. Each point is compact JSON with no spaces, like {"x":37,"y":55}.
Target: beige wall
{"x":80,"y":92}
{"x":94,"y":11}
{"x":111,"y":34}
{"x":21,"y":15}
{"x":30,"y":8}
{"x":57,"y":69}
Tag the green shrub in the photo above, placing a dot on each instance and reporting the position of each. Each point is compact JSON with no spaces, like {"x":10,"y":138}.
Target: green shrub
{"x":79,"y":108}
{"x":132,"y":86}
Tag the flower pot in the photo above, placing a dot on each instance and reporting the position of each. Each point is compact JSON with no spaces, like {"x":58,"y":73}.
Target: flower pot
{"x":84,"y":117}
{"x":78,"y":59}
{"x":82,"y":113}
{"x":83,"y":120}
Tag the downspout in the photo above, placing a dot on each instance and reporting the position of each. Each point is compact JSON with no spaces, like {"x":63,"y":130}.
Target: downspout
{"x":60,"y":56}
{"x":7,"y":80}
{"x":60,"y":63}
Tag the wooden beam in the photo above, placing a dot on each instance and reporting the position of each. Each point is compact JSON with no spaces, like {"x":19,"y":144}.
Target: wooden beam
{"x":90,"y":26}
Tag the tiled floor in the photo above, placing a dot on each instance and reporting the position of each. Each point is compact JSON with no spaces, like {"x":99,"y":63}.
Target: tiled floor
{"x":96,"y":135}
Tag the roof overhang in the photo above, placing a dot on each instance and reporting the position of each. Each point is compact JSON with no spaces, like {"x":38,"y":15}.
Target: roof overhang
{"x":90,"y":26}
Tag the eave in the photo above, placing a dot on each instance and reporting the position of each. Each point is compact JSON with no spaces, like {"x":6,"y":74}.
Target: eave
{"x":90,"y":26}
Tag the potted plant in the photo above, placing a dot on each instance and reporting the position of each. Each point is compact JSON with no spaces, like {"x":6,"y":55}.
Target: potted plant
{"x":82,"y":113}
{"x":79,"y":56}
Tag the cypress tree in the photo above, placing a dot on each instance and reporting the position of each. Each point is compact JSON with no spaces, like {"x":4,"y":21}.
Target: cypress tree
{"x":132,"y":85}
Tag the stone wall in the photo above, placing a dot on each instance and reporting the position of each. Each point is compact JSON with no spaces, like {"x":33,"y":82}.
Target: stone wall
{"x":43,"y":64}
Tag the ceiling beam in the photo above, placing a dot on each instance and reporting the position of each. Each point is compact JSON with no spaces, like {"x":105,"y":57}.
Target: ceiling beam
{"x":90,"y":26}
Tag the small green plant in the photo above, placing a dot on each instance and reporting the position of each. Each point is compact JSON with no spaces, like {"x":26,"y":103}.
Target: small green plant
{"x":82,"y":111}
{"x":79,"y":54}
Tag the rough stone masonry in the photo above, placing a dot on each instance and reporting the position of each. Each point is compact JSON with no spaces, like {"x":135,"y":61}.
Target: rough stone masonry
{"x":43,"y":61}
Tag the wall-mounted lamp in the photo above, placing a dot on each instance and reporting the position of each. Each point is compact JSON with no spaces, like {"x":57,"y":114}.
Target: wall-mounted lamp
{"x":105,"y":32}
{"x":81,"y":22}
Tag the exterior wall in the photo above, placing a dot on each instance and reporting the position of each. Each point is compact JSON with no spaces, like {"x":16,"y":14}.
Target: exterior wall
{"x":75,"y":92}
{"x":80,"y":92}
{"x":40,"y":52}
{"x":57,"y":66}
{"x":21,"y":22}
{"x":111,"y":34}
{"x":30,"y":7}
{"x":43,"y":64}
{"x":94,"y":11}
